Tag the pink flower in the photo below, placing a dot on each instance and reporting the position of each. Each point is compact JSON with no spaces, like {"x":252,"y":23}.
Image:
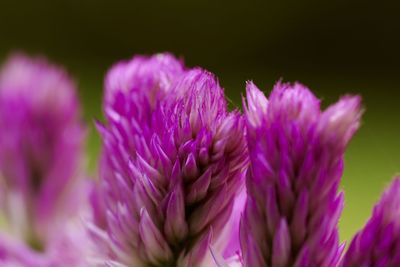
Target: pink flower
{"x":174,"y":162}
{"x":41,"y":140}
{"x":296,"y":155}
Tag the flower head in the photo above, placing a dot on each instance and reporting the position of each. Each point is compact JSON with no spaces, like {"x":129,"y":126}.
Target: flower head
{"x":296,"y":161}
{"x":171,"y":181}
{"x":378,"y":243}
{"x":41,"y":141}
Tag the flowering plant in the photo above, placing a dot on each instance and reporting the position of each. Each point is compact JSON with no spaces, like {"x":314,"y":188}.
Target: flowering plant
{"x":183,"y":181}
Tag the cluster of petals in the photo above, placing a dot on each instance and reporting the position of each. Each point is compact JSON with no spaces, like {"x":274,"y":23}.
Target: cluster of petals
{"x":183,"y":181}
{"x":296,"y":154}
{"x":174,"y":159}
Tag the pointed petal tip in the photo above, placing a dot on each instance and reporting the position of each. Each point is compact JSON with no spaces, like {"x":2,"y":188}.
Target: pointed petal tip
{"x":341,"y":120}
{"x":256,"y":106}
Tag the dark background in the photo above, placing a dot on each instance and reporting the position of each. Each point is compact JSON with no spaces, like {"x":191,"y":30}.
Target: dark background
{"x":334,"y":47}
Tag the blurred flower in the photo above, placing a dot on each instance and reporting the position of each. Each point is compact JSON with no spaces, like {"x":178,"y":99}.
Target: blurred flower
{"x":378,"y":243}
{"x":296,"y":155}
{"x":41,"y":140}
{"x":174,"y":159}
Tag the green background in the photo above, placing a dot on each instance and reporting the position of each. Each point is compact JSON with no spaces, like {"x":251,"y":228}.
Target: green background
{"x":336,"y":47}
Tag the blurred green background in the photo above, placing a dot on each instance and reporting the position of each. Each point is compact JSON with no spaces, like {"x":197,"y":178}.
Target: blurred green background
{"x":334,"y":47}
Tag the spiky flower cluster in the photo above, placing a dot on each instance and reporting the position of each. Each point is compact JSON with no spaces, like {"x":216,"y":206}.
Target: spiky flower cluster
{"x":171,"y":172}
{"x":183,"y":181}
{"x":296,"y":153}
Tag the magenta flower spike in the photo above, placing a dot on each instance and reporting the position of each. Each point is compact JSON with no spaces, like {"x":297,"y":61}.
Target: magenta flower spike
{"x":41,"y":138}
{"x":296,"y":162}
{"x":174,"y":160}
{"x":378,"y":243}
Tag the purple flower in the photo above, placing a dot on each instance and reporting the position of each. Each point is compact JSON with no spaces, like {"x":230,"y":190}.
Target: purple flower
{"x":378,"y":243}
{"x":296,"y":162}
{"x":174,"y":159}
{"x":41,"y":141}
